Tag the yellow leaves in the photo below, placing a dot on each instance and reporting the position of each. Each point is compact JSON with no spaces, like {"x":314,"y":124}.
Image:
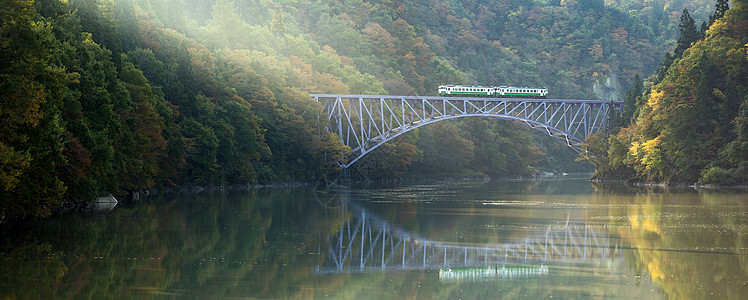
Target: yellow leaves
{"x":569,"y":3}
{"x":651,"y":153}
{"x":650,"y":145}
{"x":655,"y":99}
{"x":717,"y":26}
{"x":634,"y":149}
{"x":647,"y":155}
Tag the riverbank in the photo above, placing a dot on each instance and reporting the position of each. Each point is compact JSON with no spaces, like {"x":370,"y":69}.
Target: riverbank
{"x":671,"y":185}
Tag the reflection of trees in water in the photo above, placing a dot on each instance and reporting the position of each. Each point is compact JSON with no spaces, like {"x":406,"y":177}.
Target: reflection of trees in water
{"x":692,"y":245}
{"x":266,"y":245}
{"x":618,"y":188}
{"x":29,"y":269}
{"x":206,"y":245}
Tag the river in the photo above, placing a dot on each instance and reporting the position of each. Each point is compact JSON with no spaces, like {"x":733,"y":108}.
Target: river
{"x":558,"y":238}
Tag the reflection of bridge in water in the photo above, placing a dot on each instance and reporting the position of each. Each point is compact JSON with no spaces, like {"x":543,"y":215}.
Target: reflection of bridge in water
{"x":366,"y":243}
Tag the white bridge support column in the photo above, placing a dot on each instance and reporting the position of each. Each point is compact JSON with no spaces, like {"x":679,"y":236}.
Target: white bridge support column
{"x":364,"y":122}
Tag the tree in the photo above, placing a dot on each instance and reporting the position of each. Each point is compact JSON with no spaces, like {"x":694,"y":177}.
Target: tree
{"x":719,"y":11}
{"x":591,"y":4}
{"x":31,"y":91}
{"x":145,"y":127}
{"x":278,"y":26}
{"x":688,"y":34}
{"x":228,"y":24}
{"x":629,"y":103}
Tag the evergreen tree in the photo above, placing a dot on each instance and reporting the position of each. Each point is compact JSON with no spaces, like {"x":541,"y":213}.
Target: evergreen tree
{"x":664,"y":66}
{"x":630,"y":102}
{"x":704,"y":27}
{"x":719,"y":10}
{"x":688,"y":34}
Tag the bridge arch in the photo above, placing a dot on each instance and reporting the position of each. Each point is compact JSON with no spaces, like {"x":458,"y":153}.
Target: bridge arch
{"x":364,"y":122}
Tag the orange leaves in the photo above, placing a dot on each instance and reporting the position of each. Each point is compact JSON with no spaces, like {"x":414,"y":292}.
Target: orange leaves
{"x":620,"y":34}
{"x":596,"y":51}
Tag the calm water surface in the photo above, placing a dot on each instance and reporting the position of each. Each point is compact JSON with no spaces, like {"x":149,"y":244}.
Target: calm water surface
{"x":559,"y":238}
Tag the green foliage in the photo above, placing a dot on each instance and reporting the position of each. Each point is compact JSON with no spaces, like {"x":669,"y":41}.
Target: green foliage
{"x":691,"y":126}
{"x":31,"y":130}
{"x":633,"y":97}
{"x":114,"y":96}
{"x":467,"y":146}
{"x":719,"y":11}
{"x":716,"y":175}
{"x":688,"y":34}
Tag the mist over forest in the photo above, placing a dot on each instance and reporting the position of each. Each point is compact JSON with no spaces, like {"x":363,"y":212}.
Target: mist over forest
{"x":116,"y":96}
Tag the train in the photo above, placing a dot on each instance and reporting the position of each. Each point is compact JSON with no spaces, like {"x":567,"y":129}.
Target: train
{"x":492,"y":91}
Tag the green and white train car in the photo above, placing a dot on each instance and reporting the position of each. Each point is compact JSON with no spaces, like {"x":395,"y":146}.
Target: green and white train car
{"x":460,"y":90}
{"x":496,"y":91}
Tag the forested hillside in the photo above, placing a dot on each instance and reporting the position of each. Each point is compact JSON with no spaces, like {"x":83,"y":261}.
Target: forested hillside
{"x":692,"y":123}
{"x":111,"y":96}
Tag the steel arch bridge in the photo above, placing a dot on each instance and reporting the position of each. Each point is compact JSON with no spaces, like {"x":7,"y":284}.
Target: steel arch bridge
{"x":364,"y":122}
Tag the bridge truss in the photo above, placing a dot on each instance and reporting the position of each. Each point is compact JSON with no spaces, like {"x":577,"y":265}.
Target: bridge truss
{"x":364,"y":122}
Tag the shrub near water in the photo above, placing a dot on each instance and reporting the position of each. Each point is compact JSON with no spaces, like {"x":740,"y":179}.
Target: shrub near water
{"x":717,"y":175}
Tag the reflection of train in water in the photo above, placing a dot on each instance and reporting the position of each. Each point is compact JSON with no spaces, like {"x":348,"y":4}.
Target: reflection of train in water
{"x":496,"y":91}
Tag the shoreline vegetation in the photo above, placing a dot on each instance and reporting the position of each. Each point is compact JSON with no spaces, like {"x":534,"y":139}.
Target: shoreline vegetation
{"x":674,"y":185}
{"x":110,"y":97}
{"x":135,"y":196}
{"x":688,"y":122}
